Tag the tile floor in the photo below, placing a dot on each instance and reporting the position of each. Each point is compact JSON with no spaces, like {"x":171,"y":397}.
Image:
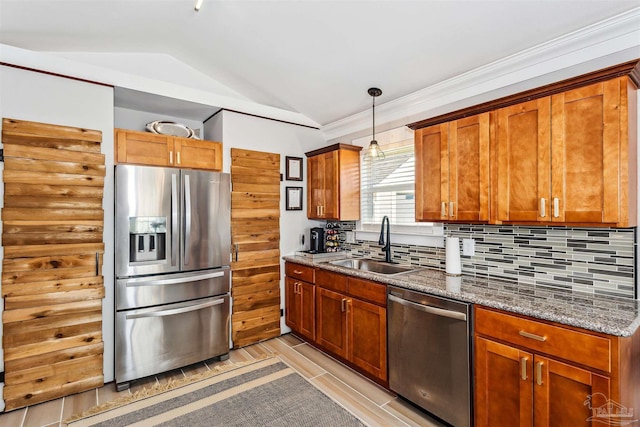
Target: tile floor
{"x":371,"y":403}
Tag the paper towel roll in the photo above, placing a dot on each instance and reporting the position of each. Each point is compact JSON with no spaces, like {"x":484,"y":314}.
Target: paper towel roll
{"x":452,"y":260}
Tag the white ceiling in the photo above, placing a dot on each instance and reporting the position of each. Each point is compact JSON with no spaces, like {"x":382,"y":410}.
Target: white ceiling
{"x":317,"y":57}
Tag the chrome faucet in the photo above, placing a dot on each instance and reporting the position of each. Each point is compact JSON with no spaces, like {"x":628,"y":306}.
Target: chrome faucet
{"x":387,"y":247}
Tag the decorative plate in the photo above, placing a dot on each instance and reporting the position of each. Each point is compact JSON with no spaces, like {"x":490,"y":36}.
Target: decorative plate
{"x":170,"y":128}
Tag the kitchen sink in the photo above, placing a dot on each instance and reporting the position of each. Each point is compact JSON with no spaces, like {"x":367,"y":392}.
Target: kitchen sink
{"x":372,"y":266}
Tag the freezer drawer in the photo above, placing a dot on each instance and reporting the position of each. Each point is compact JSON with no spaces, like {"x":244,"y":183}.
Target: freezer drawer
{"x":170,"y":288}
{"x":158,"y":339}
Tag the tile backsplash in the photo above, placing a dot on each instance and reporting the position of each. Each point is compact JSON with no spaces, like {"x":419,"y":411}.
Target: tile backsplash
{"x":595,"y":260}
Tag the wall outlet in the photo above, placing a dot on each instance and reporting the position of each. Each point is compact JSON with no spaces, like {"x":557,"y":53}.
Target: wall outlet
{"x":468,"y":247}
{"x":349,"y":237}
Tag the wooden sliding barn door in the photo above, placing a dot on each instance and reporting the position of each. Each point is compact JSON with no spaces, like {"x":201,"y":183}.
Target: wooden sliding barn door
{"x":255,"y":236}
{"x":52,"y":283}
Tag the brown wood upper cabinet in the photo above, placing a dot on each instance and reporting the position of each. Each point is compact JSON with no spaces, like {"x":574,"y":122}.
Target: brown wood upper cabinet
{"x":566,"y":158}
{"x":145,"y":148}
{"x":333,"y":183}
{"x":452,"y":170}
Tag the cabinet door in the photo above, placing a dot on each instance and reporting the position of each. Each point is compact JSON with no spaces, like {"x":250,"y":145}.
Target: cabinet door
{"x":143,"y":148}
{"x":348,"y":187}
{"x":315,"y":186}
{"x":197,"y":154}
{"x":565,"y":395}
{"x":331,"y":332}
{"x":331,"y":203}
{"x":368,"y":337}
{"x":503,"y":387}
{"x":307,"y":326}
{"x":469,"y":168}
{"x":292,"y":304}
{"x":524,"y":168}
{"x":432,"y":173}
{"x":586,"y":154}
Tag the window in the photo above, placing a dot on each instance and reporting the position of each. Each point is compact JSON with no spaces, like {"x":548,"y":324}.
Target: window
{"x":388,"y":185}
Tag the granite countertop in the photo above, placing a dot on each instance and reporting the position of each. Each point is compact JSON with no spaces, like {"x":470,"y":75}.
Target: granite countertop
{"x":609,"y":315}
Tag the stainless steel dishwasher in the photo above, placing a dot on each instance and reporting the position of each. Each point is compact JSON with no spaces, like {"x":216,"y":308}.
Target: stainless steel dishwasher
{"x":429,"y":340}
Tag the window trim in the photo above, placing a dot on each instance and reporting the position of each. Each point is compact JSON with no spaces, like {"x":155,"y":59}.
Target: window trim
{"x":423,"y":234}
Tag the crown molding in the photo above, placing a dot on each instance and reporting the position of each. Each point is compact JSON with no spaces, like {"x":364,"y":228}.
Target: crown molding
{"x":603,"y":44}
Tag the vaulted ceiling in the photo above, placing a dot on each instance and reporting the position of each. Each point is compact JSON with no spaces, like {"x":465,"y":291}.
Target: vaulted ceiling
{"x":314,"y":57}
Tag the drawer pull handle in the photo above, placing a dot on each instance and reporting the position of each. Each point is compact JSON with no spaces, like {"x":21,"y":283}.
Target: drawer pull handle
{"x":532,"y":336}
{"x":539,"y":373}
{"x":523,"y":367}
{"x":343,"y":304}
{"x":297,"y":272}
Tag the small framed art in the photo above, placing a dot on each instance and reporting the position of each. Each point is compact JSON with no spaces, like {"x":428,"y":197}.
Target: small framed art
{"x":294,"y":168}
{"x":293,"y":198}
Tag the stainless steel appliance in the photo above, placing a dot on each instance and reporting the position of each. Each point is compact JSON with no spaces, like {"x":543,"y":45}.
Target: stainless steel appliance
{"x":430,"y":353}
{"x":172,"y":269}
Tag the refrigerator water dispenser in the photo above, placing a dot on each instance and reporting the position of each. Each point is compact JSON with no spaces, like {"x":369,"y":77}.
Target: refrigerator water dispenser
{"x":147,"y":238}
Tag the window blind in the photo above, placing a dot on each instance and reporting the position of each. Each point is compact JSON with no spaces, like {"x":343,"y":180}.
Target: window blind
{"x":388,"y":188}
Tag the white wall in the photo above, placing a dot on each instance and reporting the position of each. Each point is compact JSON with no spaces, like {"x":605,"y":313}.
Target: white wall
{"x":32,"y":96}
{"x":126,"y":118}
{"x":253,"y":133}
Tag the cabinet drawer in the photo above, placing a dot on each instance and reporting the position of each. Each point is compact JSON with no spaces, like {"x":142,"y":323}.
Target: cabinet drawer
{"x":575,"y":346}
{"x":329,"y":280}
{"x":298,"y":271}
{"x":368,"y":291}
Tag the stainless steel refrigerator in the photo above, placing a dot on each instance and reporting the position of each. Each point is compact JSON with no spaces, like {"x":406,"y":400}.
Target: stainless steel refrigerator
{"x":172,"y":242}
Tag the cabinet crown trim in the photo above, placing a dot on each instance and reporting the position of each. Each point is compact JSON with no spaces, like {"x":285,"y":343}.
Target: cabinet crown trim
{"x":630,"y":69}
{"x":333,"y":147}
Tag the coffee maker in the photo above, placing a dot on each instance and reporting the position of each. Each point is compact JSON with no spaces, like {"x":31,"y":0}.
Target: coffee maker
{"x":317,"y":240}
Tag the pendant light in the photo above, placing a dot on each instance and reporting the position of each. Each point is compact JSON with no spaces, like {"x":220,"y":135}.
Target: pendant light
{"x":374,"y":151}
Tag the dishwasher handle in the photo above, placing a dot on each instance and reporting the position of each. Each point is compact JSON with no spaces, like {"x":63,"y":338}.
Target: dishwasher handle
{"x":429,"y":309}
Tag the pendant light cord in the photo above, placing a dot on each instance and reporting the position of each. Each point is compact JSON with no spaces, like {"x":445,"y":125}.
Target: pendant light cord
{"x":374,"y":118}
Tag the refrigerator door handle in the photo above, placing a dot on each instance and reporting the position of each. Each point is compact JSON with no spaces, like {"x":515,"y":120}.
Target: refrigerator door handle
{"x":187,"y":218}
{"x":187,"y":279}
{"x":173,"y":311}
{"x":174,"y":219}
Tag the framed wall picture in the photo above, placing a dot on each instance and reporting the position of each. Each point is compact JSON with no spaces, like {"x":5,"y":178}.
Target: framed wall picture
{"x":294,"y":168}
{"x":293,"y":198}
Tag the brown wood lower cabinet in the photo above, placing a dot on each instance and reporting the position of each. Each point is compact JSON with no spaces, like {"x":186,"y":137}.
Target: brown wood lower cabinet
{"x":352,"y":321}
{"x":350,"y":317}
{"x":367,"y":337}
{"x":553,"y":380}
{"x":300,"y":307}
{"x":332,"y":321}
